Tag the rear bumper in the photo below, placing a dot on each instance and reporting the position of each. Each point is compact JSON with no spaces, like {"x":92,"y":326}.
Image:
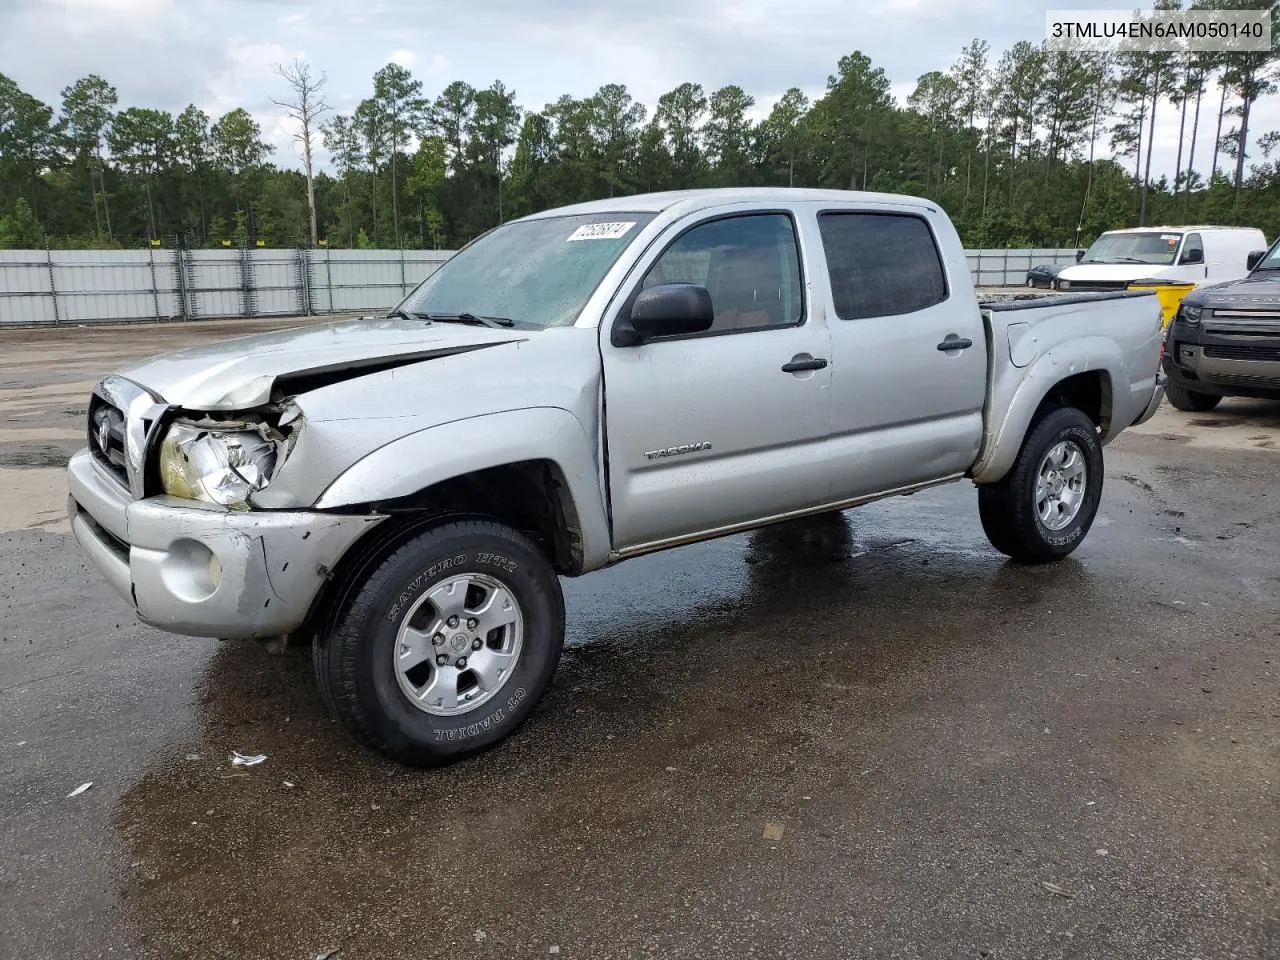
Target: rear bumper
{"x":1157,"y":396}
{"x":202,"y":570}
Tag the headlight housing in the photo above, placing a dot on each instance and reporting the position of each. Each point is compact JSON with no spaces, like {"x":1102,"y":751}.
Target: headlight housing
{"x":1190,"y":313}
{"x":216,"y":466}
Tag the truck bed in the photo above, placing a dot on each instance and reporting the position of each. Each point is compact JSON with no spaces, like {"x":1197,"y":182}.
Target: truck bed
{"x":1025,"y":299}
{"x":1037,"y":339}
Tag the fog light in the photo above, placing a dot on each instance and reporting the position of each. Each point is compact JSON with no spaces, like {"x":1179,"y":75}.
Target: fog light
{"x":191,"y":571}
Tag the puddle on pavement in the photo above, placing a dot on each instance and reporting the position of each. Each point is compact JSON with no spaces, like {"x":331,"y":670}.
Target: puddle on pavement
{"x":718,"y":661}
{"x":33,"y":455}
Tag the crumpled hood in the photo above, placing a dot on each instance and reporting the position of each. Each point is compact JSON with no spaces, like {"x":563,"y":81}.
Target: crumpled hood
{"x":1260,"y":292}
{"x":239,"y":374}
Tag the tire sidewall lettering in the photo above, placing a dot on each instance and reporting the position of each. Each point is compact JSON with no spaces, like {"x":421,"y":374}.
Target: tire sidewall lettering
{"x":493,"y":720}
{"x":442,"y":568}
{"x":1087,"y":441}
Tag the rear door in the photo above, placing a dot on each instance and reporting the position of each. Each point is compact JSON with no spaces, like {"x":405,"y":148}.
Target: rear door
{"x":909,"y":353}
{"x":716,"y":429}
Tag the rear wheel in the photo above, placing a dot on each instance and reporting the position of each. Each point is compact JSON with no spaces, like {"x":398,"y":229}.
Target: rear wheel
{"x":1045,"y":505}
{"x":448,"y":644}
{"x":1191,"y":401}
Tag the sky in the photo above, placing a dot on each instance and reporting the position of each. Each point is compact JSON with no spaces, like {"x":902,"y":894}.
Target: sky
{"x":219,"y":54}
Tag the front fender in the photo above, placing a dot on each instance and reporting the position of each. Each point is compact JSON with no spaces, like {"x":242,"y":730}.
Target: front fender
{"x":422,"y":459}
{"x":1019,"y":393}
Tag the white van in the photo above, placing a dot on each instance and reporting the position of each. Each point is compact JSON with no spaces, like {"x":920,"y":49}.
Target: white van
{"x":1196,"y":255}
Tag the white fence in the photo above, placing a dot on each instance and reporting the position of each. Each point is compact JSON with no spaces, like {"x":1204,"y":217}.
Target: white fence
{"x":88,"y":286}
{"x":1003,"y":268}
{"x":92,"y":286}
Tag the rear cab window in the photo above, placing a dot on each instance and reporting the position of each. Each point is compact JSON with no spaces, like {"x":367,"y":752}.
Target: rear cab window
{"x":881,"y":264}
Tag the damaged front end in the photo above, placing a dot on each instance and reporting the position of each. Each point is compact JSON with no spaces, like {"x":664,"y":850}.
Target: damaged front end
{"x":184,"y":545}
{"x":226,"y":459}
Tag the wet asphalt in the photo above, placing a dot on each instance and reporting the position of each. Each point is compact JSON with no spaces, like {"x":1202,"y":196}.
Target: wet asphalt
{"x":963,"y":758}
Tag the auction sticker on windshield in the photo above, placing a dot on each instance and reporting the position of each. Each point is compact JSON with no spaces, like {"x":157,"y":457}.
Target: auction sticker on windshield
{"x":601,"y":231}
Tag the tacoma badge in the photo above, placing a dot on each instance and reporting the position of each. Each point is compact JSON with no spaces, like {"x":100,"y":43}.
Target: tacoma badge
{"x":676,"y":451}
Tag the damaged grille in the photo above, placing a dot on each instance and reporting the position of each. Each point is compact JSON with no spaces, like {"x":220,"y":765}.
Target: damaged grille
{"x":106,"y":439}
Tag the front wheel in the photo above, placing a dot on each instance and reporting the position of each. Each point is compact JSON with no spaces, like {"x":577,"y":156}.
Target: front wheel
{"x":1190,"y":401}
{"x":1046,"y":503}
{"x":448,"y":644}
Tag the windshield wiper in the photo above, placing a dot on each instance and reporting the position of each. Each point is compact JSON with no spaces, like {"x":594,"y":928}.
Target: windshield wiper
{"x":407,"y":315}
{"x":470,"y":318}
{"x":1131,"y":260}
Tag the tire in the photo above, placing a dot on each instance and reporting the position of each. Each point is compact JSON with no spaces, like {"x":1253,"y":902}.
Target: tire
{"x":1010,"y":509}
{"x":382,"y":681}
{"x":1190,"y":401}
{"x":1031,"y":283}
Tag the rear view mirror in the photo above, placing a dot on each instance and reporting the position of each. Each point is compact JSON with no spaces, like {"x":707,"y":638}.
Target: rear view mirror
{"x":667,"y":310}
{"x":1079,"y":255}
{"x":1254,"y":259}
{"x":1192,"y":256}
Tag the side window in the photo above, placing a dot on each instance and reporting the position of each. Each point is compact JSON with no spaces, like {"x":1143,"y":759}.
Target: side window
{"x":750,"y":265}
{"x":881,"y":264}
{"x":1193,"y":242}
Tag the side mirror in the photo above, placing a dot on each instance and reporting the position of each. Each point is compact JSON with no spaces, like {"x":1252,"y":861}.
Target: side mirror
{"x":1192,"y":256}
{"x":667,"y":310}
{"x":1254,"y":259}
{"x":1079,"y":255}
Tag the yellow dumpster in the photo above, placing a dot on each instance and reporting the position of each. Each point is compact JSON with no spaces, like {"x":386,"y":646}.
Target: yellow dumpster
{"x":1170,"y":293}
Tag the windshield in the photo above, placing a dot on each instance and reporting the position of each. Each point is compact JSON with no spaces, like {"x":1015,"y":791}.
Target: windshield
{"x":536,"y":273}
{"x":1154,"y":248}
{"x":1272,"y":260}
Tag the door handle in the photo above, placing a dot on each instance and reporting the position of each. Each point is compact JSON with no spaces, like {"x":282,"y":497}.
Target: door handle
{"x":802,"y":362}
{"x":955,"y":343}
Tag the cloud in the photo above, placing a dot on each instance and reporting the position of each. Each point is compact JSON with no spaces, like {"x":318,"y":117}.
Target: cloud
{"x":218,"y":53}
{"x":131,"y":10}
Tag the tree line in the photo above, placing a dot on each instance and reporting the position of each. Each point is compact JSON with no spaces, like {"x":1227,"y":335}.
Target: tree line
{"x":1008,"y":145}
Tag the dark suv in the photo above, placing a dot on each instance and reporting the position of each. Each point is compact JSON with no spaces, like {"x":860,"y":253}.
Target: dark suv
{"x":1224,"y":340}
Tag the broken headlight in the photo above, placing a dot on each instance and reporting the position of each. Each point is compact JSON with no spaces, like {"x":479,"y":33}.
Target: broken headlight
{"x":217,"y":466}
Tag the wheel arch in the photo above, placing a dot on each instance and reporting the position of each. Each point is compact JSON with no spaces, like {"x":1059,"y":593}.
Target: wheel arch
{"x":536,"y":469}
{"x":1050,"y":384}
{"x":529,"y":496}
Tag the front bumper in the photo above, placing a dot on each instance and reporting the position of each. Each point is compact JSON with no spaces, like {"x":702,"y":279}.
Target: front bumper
{"x":199,"y":569}
{"x":1242,"y":360}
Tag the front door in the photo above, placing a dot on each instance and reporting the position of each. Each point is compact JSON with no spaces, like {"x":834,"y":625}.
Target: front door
{"x":712,"y":430}
{"x":1192,"y":266}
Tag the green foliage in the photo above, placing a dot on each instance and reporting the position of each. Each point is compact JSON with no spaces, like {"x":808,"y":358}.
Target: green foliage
{"x":1005,"y":141}
{"x":20,"y":230}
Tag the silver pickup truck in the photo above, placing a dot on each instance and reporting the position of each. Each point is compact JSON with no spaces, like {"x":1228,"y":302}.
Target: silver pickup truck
{"x":573,"y":389}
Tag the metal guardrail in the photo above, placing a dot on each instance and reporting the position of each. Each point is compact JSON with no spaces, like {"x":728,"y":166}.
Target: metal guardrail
{"x":56,"y":287}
